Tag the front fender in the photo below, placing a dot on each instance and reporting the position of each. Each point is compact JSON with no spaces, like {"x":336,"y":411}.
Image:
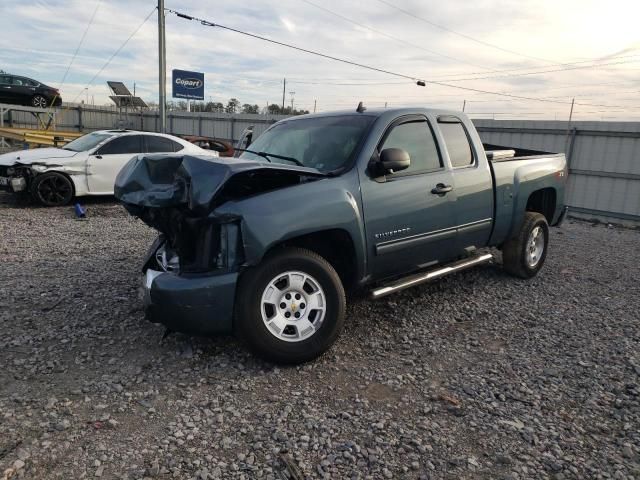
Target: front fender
{"x":274,"y":217}
{"x":75,"y":171}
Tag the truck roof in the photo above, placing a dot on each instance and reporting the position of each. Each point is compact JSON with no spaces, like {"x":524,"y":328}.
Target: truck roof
{"x":380,"y":112}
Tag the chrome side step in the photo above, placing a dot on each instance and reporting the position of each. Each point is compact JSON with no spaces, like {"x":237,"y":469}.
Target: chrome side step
{"x":424,"y":277}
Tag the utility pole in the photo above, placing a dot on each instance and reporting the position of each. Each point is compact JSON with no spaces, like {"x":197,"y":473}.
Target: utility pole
{"x":314,"y":105}
{"x":292,"y":94}
{"x":567,"y":141}
{"x":284,"y":89}
{"x":571,"y":111}
{"x":464,"y":104}
{"x":385,"y":104}
{"x":162,"y":68}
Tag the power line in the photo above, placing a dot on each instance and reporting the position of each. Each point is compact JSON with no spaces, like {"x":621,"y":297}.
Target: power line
{"x":75,"y":54}
{"x":540,"y":72}
{"x":418,"y":80}
{"x":537,"y":99}
{"x":451,"y":76}
{"x":319,"y":82}
{"x":468,"y":37}
{"x":207,"y":23}
{"x":379,"y":32}
{"x":116,"y":53}
{"x":348,"y":83}
{"x":93,"y":16}
{"x":447,"y":77}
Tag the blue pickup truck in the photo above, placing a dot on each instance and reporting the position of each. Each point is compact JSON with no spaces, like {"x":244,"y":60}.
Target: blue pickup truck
{"x":266,"y":245}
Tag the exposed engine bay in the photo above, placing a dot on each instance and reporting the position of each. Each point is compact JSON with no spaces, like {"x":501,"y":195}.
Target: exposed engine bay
{"x":178,"y":195}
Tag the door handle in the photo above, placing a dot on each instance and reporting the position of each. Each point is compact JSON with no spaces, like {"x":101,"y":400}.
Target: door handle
{"x":441,"y":189}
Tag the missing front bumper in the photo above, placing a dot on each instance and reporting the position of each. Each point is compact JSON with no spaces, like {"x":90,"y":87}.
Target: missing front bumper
{"x":13,"y":184}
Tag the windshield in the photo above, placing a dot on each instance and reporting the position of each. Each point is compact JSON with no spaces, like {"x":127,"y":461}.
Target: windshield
{"x":323,"y":143}
{"x":87,"y":142}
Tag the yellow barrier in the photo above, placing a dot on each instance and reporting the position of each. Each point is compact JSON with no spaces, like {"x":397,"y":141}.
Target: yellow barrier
{"x":34,"y":138}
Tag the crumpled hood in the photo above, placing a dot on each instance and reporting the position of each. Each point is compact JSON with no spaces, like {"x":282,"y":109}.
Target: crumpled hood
{"x":37,"y":155}
{"x":199,"y":183}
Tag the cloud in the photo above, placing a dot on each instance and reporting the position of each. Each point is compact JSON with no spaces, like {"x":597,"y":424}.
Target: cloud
{"x":40,"y":37}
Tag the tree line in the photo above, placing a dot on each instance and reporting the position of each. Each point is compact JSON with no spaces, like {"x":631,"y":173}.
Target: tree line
{"x":232,"y":106}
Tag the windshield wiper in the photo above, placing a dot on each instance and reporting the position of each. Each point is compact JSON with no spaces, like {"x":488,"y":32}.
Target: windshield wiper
{"x":266,"y":156}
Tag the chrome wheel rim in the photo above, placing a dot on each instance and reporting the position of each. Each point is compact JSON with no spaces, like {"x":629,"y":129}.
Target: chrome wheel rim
{"x":535,"y":247}
{"x":39,"y":102}
{"x":293,"y":306}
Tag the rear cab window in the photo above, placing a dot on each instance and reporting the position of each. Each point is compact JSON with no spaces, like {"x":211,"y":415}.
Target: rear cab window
{"x":457,"y":141}
{"x":416,"y":137}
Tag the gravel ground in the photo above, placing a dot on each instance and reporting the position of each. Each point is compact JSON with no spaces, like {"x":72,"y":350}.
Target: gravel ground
{"x":479,"y":376}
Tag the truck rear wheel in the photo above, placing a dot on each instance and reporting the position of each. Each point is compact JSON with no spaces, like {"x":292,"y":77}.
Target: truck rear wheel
{"x":524,"y":255}
{"x":291,"y":307}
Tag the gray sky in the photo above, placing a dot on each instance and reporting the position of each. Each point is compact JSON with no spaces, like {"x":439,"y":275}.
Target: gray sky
{"x":40,"y":36}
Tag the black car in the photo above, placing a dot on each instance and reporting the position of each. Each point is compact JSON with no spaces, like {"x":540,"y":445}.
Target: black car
{"x":26,"y":91}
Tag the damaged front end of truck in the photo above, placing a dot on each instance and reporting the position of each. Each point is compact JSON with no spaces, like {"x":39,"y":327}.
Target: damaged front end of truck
{"x":191,"y":270}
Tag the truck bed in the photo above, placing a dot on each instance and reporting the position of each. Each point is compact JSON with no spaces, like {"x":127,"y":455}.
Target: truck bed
{"x":516,"y":173}
{"x":500,"y":153}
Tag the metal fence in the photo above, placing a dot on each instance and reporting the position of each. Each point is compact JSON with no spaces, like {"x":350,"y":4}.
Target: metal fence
{"x":604,"y":157}
{"x":86,"y":118}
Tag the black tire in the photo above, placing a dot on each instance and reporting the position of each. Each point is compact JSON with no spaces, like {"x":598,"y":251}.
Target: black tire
{"x":39,"y":101}
{"x":52,"y":189}
{"x":515,"y":252}
{"x":249,"y":324}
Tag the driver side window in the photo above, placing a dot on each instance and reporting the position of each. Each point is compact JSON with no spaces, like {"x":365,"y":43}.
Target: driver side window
{"x":416,"y":138}
{"x":122,"y":145}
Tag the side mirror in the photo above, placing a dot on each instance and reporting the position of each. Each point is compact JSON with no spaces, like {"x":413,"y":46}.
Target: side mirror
{"x":394,"y":159}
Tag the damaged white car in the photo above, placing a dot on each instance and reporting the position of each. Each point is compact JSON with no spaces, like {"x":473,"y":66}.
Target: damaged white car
{"x":86,"y":166}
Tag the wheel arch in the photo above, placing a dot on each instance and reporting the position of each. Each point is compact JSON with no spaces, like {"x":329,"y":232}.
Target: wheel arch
{"x":69,"y":177}
{"x":334,"y":245}
{"x":543,"y":201}
{"x":35,"y":178}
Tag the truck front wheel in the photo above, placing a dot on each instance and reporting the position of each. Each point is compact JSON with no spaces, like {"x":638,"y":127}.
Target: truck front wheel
{"x":524,"y":255}
{"x":291,"y":307}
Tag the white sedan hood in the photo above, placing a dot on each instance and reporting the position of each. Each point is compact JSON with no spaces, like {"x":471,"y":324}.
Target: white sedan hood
{"x":37,"y":155}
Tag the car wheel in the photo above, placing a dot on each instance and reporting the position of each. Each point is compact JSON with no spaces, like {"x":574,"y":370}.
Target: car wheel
{"x":52,"y":189}
{"x":524,"y":255}
{"x":39,"y":101}
{"x":291,"y":307}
